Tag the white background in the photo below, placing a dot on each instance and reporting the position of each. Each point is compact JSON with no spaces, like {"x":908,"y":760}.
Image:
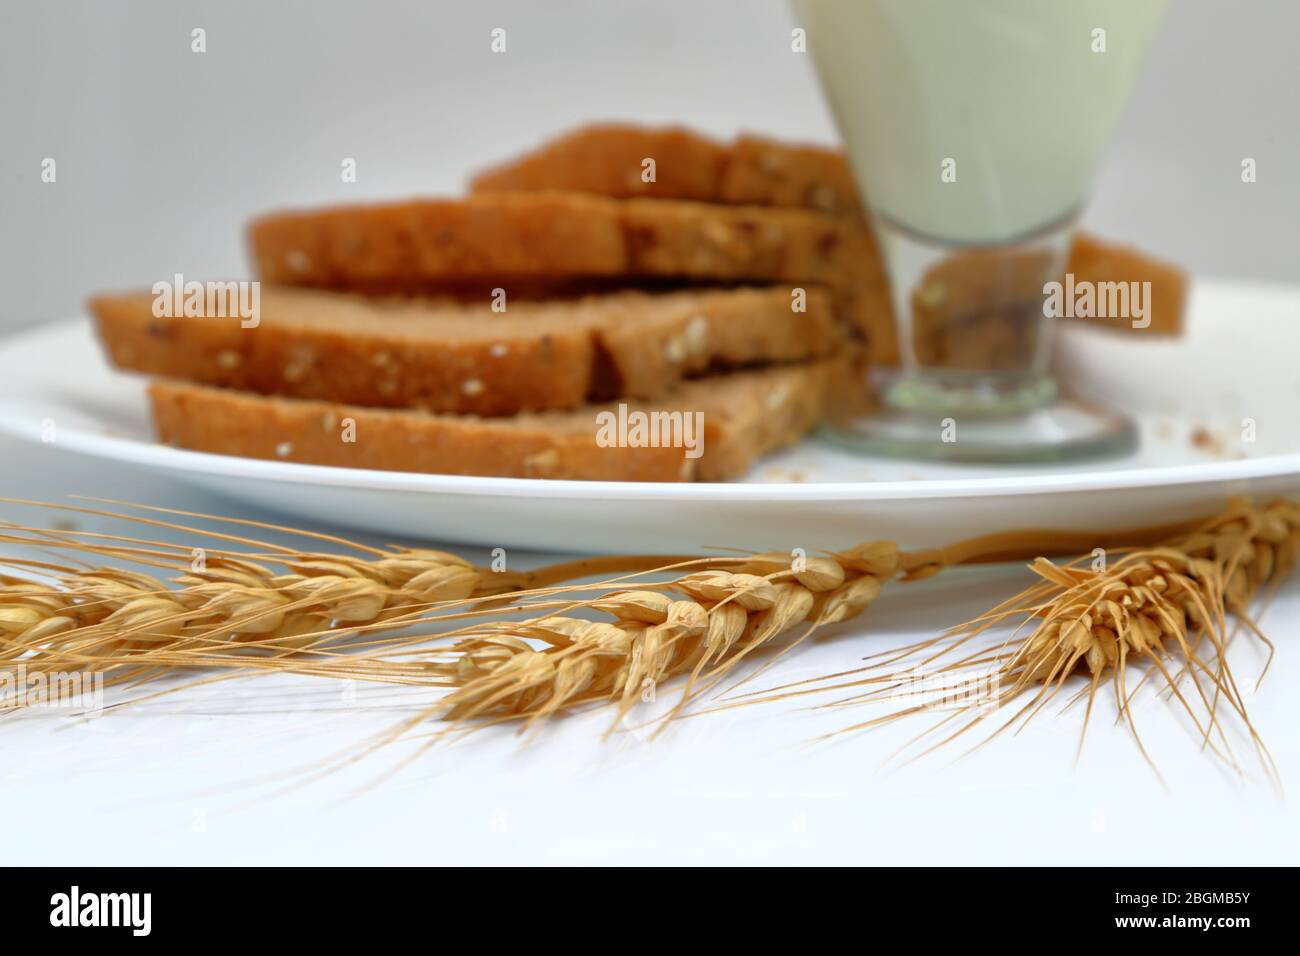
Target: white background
{"x":163,"y":154}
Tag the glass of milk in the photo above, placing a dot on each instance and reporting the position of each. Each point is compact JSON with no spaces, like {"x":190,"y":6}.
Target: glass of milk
{"x":974,"y":128}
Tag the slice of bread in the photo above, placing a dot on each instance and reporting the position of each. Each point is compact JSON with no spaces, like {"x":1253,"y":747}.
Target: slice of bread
{"x":743,"y":415}
{"x":464,"y":358}
{"x":499,"y":239}
{"x":617,"y":159}
{"x":1099,"y":263}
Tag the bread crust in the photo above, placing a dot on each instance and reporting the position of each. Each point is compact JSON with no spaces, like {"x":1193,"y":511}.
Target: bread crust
{"x":745,"y":415}
{"x":609,"y":159}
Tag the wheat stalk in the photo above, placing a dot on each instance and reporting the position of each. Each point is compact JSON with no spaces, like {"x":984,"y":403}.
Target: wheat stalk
{"x":1168,"y":594}
{"x":87,"y":616}
{"x":701,"y":624}
{"x":1158,"y":607}
{"x":128,"y":623}
{"x":134,"y":626}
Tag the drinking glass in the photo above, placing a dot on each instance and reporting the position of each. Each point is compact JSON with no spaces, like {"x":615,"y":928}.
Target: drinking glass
{"x":974,"y":129}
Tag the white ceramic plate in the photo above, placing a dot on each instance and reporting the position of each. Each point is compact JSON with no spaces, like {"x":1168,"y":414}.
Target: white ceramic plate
{"x":1196,"y":398}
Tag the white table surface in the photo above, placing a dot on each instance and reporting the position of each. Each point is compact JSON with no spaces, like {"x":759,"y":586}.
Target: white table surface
{"x":206,"y":776}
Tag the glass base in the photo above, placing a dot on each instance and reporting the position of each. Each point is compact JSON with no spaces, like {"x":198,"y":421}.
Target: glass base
{"x":1066,"y":430}
{"x":973,"y":393}
{"x":973,"y":327}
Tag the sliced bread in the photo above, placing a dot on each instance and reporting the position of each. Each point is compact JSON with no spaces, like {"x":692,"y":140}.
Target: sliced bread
{"x":607,"y":159}
{"x":504,"y":238}
{"x":465,"y":358}
{"x":741,"y":416}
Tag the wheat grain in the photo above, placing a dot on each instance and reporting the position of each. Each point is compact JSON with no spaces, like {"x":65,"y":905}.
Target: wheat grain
{"x":130,"y":625}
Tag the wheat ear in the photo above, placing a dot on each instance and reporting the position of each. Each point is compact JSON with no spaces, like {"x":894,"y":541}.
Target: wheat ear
{"x":701,"y":624}
{"x":1166,"y":608}
{"x":129,"y":624}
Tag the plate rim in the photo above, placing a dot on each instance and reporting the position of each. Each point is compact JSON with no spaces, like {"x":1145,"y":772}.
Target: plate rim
{"x":151,"y":454}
